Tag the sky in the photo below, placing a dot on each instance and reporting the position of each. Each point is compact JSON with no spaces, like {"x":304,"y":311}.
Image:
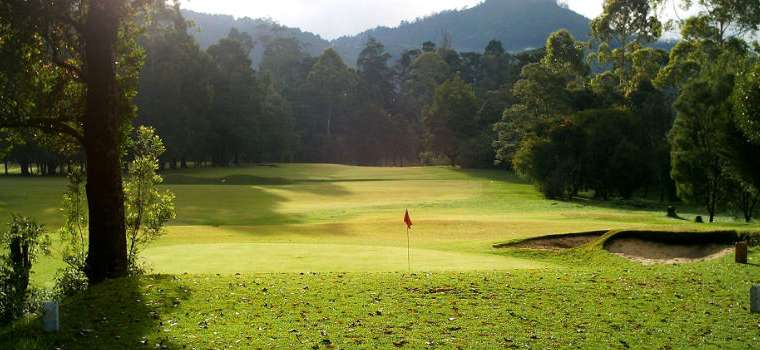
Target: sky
{"x":334,"y":18}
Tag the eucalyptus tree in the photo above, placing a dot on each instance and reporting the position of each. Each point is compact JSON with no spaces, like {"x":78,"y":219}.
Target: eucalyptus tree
{"x":545,"y":90}
{"x":451,"y":119}
{"x":332,"y":80}
{"x":624,"y":27}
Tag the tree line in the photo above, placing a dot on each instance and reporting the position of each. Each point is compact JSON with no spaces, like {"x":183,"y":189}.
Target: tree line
{"x":683,"y":122}
{"x":213,"y":108}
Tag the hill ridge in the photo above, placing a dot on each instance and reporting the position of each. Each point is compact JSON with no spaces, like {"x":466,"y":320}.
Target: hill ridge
{"x":518,"y":24}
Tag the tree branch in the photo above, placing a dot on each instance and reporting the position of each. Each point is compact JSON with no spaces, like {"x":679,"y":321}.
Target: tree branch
{"x":45,"y":124}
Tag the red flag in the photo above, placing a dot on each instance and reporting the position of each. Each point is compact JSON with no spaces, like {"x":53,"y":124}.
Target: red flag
{"x":407,"y":219}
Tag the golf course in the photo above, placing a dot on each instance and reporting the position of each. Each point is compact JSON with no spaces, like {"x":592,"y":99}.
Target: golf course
{"x":315,"y":256}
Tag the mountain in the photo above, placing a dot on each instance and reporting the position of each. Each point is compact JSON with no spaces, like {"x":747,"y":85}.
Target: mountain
{"x":518,"y":24}
{"x":210,"y":28}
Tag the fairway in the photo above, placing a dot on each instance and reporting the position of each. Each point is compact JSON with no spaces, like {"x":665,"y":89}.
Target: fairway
{"x":336,"y":218}
{"x":315,"y":256}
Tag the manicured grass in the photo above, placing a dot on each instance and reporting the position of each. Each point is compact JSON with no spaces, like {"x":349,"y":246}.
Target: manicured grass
{"x":314,"y":256}
{"x":334,"y":218}
{"x":593,"y":301}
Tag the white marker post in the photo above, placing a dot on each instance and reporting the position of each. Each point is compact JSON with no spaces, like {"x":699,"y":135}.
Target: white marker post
{"x":50,"y":319}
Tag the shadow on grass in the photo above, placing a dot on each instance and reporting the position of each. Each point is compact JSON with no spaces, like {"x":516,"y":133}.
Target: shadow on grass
{"x":647,"y":204}
{"x":217,"y":205}
{"x":118,"y":314}
{"x":492,"y":175}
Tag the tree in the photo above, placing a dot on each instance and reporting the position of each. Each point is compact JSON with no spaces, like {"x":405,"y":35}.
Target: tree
{"x":236,"y":103}
{"x":744,"y":140}
{"x":175,"y":87}
{"x":331,"y":80}
{"x":148,"y":208}
{"x":629,"y":25}
{"x":546,"y":89}
{"x":564,"y":55}
{"x":551,"y":158}
{"x":719,"y":19}
{"x":698,"y":139}
{"x":76,"y":53}
{"x":612,"y":160}
{"x":654,"y":110}
{"x":742,"y":169}
{"x":596,"y":149}
{"x":452,"y":118}
{"x":427,"y":72}
{"x":375,"y":76}
{"x":719,"y":28}
{"x":283,"y":62}
{"x":372,"y":127}
{"x":747,"y":103}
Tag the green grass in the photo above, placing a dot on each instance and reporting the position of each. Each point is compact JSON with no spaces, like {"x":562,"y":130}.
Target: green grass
{"x":333,"y":218}
{"x":593,"y":301}
{"x":314,"y":256}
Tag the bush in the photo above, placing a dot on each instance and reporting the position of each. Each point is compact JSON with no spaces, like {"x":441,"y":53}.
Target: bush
{"x":70,"y":280}
{"x":148,"y":209}
{"x":74,"y":237}
{"x":22,"y":243}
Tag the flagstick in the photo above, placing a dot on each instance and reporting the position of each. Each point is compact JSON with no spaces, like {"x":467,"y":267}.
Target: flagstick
{"x":408,"y":250}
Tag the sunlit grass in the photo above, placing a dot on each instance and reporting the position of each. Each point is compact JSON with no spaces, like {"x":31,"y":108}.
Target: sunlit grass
{"x":590,"y":300}
{"x":332,"y":218}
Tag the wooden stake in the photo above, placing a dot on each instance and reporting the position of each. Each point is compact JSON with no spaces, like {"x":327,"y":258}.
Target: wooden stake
{"x":741,"y":252}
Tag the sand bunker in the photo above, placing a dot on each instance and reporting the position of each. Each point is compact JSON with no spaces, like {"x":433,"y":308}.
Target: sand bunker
{"x":649,"y":247}
{"x":560,"y":241}
{"x":671,"y":247}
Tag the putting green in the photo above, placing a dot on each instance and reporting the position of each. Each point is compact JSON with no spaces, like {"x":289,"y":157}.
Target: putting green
{"x":269,"y":257}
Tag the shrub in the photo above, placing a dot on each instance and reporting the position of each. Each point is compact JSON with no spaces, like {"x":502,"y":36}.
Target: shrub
{"x":148,"y":209}
{"x":72,"y":279}
{"x":22,"y":243}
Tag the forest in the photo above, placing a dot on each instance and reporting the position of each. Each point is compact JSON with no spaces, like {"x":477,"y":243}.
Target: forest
{"x":614,"y":116}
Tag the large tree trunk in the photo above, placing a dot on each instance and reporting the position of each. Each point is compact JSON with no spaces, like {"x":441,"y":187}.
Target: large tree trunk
{"x":107,"y":256}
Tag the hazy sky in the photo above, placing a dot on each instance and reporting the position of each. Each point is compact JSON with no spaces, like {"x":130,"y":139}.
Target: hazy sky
{"x":335,"y":18}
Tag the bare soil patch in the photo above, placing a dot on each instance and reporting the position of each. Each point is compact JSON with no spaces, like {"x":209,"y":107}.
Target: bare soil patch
{"x":671,"y":247}
{"x":559,"y":241}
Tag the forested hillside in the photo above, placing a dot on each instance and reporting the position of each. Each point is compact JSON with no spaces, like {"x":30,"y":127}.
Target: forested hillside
{"x":518,"y":24}
{"x":210,"y":28}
